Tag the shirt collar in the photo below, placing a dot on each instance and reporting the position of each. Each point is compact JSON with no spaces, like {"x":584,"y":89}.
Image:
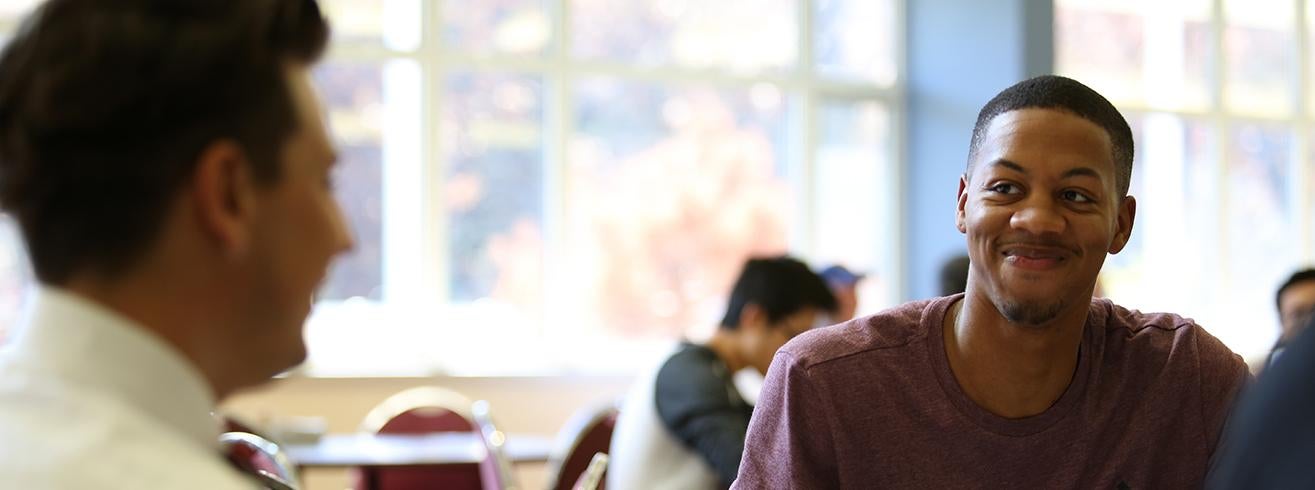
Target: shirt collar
{"x":94,"y":348}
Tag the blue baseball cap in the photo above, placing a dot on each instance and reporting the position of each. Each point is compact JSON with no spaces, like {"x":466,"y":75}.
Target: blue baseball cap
{"x":838,"y":274}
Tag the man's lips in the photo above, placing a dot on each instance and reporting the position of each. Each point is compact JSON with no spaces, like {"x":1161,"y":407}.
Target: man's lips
{"x":1035,"y":257}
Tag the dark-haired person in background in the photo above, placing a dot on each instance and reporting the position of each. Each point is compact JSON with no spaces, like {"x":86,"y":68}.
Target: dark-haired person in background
{"x":1025,"y":380}
{"x":1295,"y":301}
{"x":168,"y":166}
{"x":954,"y":275}
{"x":683,"y":426}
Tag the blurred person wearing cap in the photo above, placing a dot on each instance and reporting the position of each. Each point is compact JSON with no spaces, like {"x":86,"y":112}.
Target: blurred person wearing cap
{"x":844,"y":286}
{"x":1025,"y":380}
{"x":168,"y":166}
{"x":682,"y":425}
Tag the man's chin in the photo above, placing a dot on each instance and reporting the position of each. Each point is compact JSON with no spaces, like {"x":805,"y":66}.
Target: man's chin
{"x":1030,"y":312}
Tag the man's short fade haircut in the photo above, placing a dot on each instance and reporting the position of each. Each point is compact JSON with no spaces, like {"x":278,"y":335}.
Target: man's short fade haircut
{"x":1066,"y":95}
{"x":780,"y":286}
{"x":1296,"y":278}
{"x":105,"y":106}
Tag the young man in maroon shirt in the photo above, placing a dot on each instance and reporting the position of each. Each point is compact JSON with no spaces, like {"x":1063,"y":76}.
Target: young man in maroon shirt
{"x":1025,"y":380}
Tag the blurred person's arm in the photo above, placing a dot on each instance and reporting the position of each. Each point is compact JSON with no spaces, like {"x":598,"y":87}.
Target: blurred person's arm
{"x":789,"y":443}
{"x":702,"y":410}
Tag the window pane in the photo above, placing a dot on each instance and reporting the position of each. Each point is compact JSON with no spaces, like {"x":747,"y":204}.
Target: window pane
{"x":1113,"y":65}
{"x":851,"y":210}
{"x":856,"y":39}
{"x":353,"y":97}
{"x":1260,"y":52}
{"x":1310,"y":201}
{"x":492,"y":140}
{"x":1149,"y":53}
{"x":670,"y":189}
{"x":15,"y":276}
{"x":498,"y":26}
{"x":391,"y":23}
{"x":1171,"y":262}
{"x":1310,"y":61}
{"x":687,"y":33}
{"x":14,"y":10}
{"x":1262,"y":238}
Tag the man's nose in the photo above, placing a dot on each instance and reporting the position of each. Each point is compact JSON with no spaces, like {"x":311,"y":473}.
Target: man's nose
{"x":1038,"y":217}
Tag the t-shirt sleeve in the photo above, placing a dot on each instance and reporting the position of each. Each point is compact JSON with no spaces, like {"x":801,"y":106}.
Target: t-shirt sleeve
{"x":1223,"y":374}
{"x":697,"y":407}
{"x":789,"y":443}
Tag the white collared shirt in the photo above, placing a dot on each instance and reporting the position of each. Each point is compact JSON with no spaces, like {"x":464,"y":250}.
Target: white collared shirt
{"x":91,"y":400}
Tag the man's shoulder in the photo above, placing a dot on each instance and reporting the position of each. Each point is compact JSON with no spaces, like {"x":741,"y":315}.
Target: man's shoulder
{"x":101,"y":445}
{"x":895,"y":328}
{"x":690,"y":377}
{"x":1162,"y":334}
{"x":689,"y":362}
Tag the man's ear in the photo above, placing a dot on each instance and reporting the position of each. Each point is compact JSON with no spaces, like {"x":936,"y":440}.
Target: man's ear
{"x":223,"y":196}
{"x":959,"y":216}
{"x":752,"y":317}
{"x":1126,"y":215}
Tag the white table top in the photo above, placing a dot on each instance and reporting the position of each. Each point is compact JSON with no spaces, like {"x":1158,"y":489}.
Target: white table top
{"x":340,"y":450}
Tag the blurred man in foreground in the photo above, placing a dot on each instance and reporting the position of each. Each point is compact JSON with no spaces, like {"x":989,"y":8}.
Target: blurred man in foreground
{"x":1025,"y":380}
{"x":683,"y":426}
{"x":1271,"y":438}
{"x":169,"y":169}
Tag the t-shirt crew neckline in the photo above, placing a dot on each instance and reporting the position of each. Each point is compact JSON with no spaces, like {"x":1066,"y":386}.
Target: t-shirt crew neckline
{"x":933,"y":319}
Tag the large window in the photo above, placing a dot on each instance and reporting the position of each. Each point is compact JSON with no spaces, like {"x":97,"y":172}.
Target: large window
{"x":543,"y":186}
{"x":1219,"y":97}
{"x":551,"y":186}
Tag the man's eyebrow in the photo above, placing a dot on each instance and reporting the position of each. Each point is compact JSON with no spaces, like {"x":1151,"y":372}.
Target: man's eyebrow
{"x":1073,"y":172}
{"x":1009,"y":165}
{"x":1081,"y":172}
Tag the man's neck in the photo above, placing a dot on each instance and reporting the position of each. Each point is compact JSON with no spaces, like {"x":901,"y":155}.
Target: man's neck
{"x":162,"y":312}
{"x":1011,"y":370}
{"x":724,"y":343}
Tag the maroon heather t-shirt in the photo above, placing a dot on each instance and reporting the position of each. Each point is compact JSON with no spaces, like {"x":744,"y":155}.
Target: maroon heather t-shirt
{"x":872,"y":403}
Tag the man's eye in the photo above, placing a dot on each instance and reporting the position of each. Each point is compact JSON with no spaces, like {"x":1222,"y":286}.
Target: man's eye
{"x":1077,"y":197}
{"x":1004,"y":188}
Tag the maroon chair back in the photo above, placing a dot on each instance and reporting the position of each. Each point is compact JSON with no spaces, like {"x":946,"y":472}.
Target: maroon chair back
{"x":259,"y":458}
{"x":589,"y":432}
{"x":592,"y":478}
{"x":420,"y":411}
{"x":425,"y":420}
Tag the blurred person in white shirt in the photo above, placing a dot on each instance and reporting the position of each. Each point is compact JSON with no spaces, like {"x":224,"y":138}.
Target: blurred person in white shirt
{"x":169,"y":169}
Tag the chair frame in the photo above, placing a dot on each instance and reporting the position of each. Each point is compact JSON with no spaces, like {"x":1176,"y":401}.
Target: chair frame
{"x":494,"y":442}
{"x":287,"y":478}
{"x":418,"y":398}
{"x":572,"y":434}
{"x":593,"y":474}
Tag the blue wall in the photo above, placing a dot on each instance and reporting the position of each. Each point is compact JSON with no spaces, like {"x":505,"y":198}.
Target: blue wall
{"x":960,"y":54}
